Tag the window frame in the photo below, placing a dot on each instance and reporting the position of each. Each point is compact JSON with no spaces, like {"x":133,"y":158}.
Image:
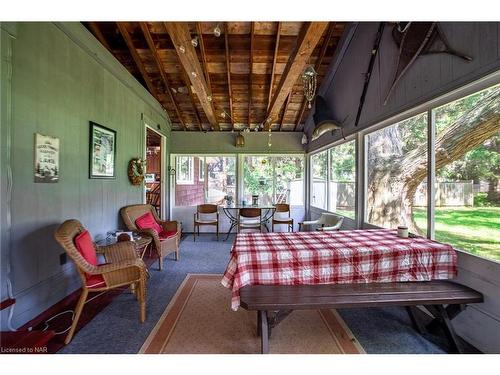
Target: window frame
{"x":273,"y":156}
{"x":190,"y":180}
{"x":327,"y":148}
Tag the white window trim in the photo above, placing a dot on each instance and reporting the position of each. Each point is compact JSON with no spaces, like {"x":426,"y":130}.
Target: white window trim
{"x":189,"y":181}
{"x":201,"y":167}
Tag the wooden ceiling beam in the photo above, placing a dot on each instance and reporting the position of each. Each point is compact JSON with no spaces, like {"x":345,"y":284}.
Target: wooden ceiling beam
{"x":322,"y":53}
{"x":228,"y":72}
{"x":181,"y":38}
{"x":250,"y":75}
{"x":285,"y":109}
{"x":276,"y":47}
{"x":308,"y":38}
{"x":128,"y":40}
{"x":98,"y":34}
{"x":203,"y":55}
{"x":159,"y":65}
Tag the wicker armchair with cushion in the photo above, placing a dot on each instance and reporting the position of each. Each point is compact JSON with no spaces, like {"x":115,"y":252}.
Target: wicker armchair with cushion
{"x":142,"y":218}
{"x":123,"y":267}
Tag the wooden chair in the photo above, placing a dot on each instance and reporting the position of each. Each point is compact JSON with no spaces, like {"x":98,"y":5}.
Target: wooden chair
{"x":163,"y":246}
{"x":205,"y":209}
{"x":326,"y":222}
{"x":123,"y":268}
{"x":249,"y":218}
{"x":280,"y":209}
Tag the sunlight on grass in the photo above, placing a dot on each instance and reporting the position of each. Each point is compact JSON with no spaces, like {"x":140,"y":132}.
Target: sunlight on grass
{"x":473,"y":229}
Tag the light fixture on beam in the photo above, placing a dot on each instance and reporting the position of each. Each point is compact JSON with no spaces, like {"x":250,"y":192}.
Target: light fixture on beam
{"x":217,"y":31}
{"x":194,"y":42}
{"x":240,"y":140}
{"x":182,"y":49}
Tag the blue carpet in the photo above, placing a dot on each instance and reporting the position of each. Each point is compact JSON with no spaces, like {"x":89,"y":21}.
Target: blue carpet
{"x":117,"y":328}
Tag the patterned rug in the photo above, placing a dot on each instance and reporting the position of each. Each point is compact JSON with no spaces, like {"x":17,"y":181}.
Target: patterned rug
{"x":199,"y":320}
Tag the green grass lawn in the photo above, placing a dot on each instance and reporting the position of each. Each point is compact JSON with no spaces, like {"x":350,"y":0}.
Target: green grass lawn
{"x":474,"y":229}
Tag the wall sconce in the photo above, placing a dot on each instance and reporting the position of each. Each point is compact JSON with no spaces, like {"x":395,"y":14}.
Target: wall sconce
{"x":240,"y":140}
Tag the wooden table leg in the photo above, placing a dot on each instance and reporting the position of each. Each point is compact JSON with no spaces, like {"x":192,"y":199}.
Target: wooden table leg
{"x":258,"y":323}
{"x":415,"y":321}
{"x":448,"y":329}
{"x":264,"y":335}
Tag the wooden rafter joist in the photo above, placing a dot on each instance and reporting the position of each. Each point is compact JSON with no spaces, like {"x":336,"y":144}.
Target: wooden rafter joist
{"x":135,"y":56}
{"x":276,"y":47}
{"x":154,"y":52}
{"x":308,"y":38}
{"x":285,"y":109}
{"x":192,"y":99}
{"x":94,"y":28}
{"x":228,"y":72}
{"x":203,"y":55}
{"x":181,"y":38}
{"x":250,"y":74}
{"x":319,"y":61}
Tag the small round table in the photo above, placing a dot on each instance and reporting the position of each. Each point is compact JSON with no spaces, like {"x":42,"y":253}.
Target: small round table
{"x":141,"y":243}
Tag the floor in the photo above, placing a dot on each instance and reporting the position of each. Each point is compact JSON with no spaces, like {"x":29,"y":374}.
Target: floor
{"x":117,"y":329}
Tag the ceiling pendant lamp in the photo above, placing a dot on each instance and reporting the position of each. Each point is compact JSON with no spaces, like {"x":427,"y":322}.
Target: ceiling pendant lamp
{"x":309,"y":82}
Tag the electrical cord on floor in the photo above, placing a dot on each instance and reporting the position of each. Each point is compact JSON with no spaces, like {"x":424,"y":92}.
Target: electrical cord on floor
{"x":46,"y":323}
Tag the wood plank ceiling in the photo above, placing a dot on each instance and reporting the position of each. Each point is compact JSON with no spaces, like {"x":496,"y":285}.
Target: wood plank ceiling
{"x":248,"y":76}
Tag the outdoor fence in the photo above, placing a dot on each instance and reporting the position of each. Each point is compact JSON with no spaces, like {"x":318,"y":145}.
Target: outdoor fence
{"x":448,"y":194}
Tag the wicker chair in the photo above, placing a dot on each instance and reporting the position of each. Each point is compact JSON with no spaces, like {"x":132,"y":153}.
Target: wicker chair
{"x":123,"y":268}
{"x":163,"y":246}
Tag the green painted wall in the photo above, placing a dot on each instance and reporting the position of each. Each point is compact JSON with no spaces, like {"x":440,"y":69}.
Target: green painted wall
{"x":184,"y":142}
{"x":61,"y":79}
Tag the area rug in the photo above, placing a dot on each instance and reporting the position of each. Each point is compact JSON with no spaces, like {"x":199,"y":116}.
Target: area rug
{"x":199,"y":320}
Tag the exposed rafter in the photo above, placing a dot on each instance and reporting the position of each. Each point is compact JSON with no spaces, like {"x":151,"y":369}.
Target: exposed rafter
{"x":181,"y":38}
{"x":228,"y":72}
{"x":285,"y":109}
{"x":309,"y":36}
{"x":276,"y":48}
{"x":250,"y":75}
{"x":161,"y":69}
{"x":97,"y":33}
{"x":322,"y":53}
{"x":192,"y":99}
{"x":203,"y":55}
{"x":137,"y":59}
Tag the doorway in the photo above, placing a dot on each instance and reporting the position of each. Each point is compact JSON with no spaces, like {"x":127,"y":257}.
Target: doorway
{"x":154,"y":167}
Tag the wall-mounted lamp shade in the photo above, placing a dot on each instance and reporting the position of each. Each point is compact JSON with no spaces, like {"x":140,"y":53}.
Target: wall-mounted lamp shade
{"x":240,"y":140}
{"x":323,"y":119}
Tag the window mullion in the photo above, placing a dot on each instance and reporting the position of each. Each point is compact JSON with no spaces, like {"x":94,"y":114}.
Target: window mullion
{"x":431,"y":172}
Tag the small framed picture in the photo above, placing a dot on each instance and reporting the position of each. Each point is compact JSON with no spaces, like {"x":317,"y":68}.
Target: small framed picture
{"x":46,"y":159}
{"x":102,"y":152}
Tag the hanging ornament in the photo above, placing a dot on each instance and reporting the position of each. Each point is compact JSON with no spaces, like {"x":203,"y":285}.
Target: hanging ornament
{"x":309,"y":83}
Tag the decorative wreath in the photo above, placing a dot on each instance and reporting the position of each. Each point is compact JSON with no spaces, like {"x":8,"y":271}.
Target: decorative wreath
{"x":136,"y":171}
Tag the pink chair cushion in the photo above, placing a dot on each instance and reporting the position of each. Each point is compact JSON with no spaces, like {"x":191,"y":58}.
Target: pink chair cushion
{"x":147,"y":221}
{"x":167,"y":234}
{"x":85,"y":246}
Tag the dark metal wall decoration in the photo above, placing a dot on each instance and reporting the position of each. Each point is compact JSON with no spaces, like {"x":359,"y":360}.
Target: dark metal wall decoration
{"x":415,"y":39}
{"x":368,"y":74}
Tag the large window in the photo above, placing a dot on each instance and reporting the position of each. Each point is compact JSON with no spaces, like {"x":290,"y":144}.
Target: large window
{"x":342,"y":184}
{"x":204,"y":179}
{"x":319,"y":166}
{"x":274,"y":179}
{"x":397,"y":170}
{"x":466,"y":186}
{"x":467,"y":150}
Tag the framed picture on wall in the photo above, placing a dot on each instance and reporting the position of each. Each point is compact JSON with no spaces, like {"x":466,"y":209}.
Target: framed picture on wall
{"x":102,"y":152}
{"x":46,"y":158}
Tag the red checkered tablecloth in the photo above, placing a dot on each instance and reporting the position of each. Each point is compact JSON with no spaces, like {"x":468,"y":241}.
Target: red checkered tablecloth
{"x":356,"y":256}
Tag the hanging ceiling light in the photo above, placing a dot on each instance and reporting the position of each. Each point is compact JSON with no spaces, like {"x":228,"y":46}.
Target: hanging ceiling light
{"x":217,"y":31}
{"x":309,"y":83}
